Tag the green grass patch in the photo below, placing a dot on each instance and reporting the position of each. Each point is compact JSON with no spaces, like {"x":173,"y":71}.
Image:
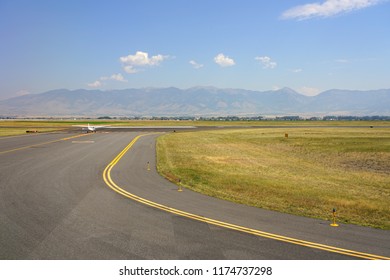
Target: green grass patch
{"x":309,"y":173}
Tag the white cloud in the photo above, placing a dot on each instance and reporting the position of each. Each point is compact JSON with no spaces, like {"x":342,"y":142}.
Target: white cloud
{"x":130,"y":69}
{"x":21,"y":92}
{"x":224,"y":61}
{"x":327,"y":9}
{"x":115,"y":77}
{"x":298,"y":70}
{"x":309,"y":91}
{"x":95,"y":84}
{"x":132,"y":63}
{"x":195,"y":64}
{"x":275,"y":88}
{"x":267,"y":62}
{"x":118,"y":77}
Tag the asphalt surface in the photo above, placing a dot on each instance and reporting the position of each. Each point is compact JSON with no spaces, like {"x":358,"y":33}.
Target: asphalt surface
{"x":54,"y":204}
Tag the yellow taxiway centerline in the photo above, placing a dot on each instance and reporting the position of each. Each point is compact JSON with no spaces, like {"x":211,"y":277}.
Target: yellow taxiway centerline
{"x":44,"y":143}
{"x":108,"y":180}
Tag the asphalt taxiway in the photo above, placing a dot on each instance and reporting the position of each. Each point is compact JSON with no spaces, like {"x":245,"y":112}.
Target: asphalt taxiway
{"x":68,"y":195}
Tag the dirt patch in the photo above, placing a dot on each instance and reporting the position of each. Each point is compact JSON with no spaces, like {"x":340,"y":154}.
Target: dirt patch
{"x":379,"y":163}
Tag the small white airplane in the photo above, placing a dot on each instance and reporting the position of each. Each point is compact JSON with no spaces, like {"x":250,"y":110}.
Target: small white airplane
{"x":89,"y":128}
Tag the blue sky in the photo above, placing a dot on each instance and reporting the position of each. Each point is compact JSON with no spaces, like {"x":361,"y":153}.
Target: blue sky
{"x":308,"y":45}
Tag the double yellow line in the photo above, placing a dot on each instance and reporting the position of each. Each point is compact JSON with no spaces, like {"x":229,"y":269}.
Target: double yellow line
{"x":108,"y":180}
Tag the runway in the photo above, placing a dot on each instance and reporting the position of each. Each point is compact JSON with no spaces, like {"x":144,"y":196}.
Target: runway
{"x":55,"y":204}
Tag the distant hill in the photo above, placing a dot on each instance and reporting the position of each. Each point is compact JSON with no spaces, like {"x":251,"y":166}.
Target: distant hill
{"x":196,"y":101}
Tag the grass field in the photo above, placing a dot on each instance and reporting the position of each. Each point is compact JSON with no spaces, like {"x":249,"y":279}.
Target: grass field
{"x":22,"y":130}
{"x":68,"y":123}
{"x":309,"y":173}
{"x":11,"y":128}
{"x":17,"y":127}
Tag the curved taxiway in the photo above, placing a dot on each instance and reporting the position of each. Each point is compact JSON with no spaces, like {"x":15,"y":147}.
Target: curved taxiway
{"x":57,"y":202}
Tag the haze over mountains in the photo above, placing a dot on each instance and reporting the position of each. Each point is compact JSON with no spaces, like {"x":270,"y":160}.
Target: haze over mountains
{"x":196,"y":101}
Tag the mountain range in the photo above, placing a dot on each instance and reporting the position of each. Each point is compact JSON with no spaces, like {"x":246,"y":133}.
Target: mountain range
{"x":196,"y":101}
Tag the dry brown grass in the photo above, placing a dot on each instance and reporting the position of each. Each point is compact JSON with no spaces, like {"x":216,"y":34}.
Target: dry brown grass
{"x":310,"y":173}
